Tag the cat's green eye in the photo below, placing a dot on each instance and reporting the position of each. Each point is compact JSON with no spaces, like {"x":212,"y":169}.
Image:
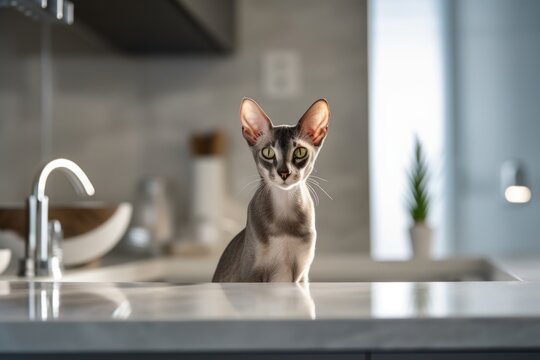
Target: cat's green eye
{"x":268,"y":153}
{"x":300,"y":153}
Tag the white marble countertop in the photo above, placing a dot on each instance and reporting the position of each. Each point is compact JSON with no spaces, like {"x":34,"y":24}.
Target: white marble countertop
{"x":68,"y":317}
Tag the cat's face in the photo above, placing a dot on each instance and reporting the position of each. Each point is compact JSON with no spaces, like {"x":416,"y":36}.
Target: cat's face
{"x":284,"y":155}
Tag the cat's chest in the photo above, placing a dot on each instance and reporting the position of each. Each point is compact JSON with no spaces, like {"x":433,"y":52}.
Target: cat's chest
{"x":291,"y":223}
{"x":284,"y":246}
{"x":287,"y":256}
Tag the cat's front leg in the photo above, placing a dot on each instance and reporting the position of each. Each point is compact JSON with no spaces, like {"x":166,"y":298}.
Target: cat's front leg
{"x":303,"y":278}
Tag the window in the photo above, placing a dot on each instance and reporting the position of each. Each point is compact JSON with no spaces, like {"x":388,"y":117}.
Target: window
{"x":407,"y":97}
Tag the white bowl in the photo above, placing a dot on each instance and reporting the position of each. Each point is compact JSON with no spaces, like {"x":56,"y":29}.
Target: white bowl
{"x":93,"y":244}
{"x":5,"y":258}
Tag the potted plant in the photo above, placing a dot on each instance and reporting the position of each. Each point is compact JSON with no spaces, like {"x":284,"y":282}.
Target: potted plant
{"x":419,"y":204}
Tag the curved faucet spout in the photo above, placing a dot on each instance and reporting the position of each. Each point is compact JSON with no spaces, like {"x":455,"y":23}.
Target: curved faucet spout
{"x":76,"y":175}
{"x":43,"y":237}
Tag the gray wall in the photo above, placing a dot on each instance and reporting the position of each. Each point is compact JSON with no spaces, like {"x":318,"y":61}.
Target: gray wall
{"x":497,"y":109}
{"x":122,"y":118}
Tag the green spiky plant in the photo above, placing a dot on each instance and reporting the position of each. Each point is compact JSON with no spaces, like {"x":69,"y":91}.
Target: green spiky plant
{"x":419,"y":197}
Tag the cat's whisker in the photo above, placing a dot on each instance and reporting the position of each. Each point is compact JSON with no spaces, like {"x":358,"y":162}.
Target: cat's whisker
{"x":250,"y":191}
{"x":263,"y":187}
{"x":318,"y":178}
{"x":254,"y":176}
{"x":249,"y":184}
{"x":314,"y":193}
{"x":310,"y":193}
{"x":263,"y":190}
{"x":317,"y":196}
{"x":255,"y":187}
{"x":320,"y":187}
{"x":253,"y":181}
{"x":313,"y":181}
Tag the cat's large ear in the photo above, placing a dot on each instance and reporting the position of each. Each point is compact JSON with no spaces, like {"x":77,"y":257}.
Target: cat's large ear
{"x":254,"y":121}
{"x":314,"y":123}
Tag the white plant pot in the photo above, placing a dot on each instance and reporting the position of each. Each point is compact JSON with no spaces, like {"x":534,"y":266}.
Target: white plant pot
{"x":421,"y":239}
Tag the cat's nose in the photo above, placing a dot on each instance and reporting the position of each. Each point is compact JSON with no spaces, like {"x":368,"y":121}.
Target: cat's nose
{"x":285,"y":175}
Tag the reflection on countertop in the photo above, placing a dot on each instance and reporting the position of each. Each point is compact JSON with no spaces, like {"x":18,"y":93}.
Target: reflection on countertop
{"x":43,"y":301}
{"x":48,"y":316}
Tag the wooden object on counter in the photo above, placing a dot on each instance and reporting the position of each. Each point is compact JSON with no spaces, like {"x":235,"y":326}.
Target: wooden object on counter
{"x":76,"y":220}
{"x":211,"y":143}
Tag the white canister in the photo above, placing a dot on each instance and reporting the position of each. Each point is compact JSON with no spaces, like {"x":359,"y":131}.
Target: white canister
{"x":208,"y":197}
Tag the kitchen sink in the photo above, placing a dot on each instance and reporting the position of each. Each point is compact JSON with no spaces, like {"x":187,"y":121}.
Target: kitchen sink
{"x":326,"y":268}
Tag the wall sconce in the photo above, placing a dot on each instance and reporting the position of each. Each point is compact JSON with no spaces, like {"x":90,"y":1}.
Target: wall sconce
{"x":513,"y":183}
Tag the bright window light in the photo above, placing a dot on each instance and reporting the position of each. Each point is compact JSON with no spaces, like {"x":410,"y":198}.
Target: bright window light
{"x":406,"y":84}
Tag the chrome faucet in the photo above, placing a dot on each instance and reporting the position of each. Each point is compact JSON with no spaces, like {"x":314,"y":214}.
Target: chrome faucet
{"x":42,"y":254}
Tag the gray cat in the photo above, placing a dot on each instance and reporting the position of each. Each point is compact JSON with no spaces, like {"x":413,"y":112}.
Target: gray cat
{"x":278,"y":242}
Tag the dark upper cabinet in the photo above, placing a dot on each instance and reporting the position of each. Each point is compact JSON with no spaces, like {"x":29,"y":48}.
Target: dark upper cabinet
{"x":154,"y":27}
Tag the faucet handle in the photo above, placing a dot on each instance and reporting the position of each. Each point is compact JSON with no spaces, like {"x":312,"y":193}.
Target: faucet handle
{"x":56,"y":236}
